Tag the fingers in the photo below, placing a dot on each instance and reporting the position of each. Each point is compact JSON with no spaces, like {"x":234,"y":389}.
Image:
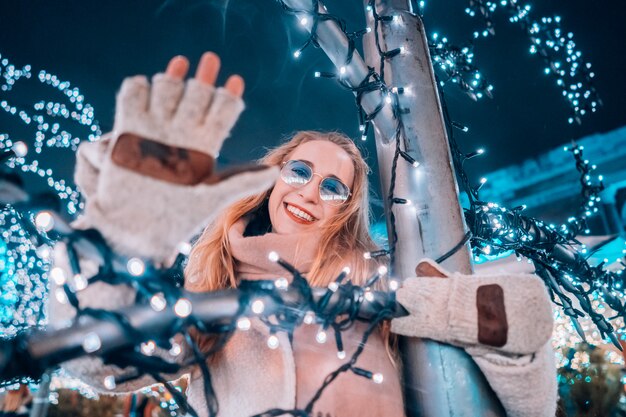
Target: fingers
{"x":208,"y":68}
{"x":178,"y":67}
{"x":207,"y":72}
{"x":235,"y":85}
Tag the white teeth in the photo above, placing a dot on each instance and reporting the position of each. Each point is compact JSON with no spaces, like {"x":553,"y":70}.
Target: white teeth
{"x":299,"y":213}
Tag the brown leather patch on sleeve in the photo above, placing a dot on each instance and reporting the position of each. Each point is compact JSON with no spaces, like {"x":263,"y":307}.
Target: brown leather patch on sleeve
{"x":492,"y":324}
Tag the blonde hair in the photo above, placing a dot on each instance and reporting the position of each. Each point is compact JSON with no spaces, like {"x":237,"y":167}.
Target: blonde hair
{"x":344,"y":238}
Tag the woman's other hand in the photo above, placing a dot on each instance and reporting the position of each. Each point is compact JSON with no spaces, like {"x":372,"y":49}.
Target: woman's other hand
{"x":151,"y":184}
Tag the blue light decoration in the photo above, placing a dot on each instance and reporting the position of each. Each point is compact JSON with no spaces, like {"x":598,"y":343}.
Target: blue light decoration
{"x":23,"y":276}
{"x":8,"y":291}
{"x":56,"y":125}
{"x":556,"y":48}
{"x":457,"y":63}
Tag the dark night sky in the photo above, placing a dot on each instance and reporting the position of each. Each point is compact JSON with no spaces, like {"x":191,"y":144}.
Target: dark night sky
{"x":95,"y":44}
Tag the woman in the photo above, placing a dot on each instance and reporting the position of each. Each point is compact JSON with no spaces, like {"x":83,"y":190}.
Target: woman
{"x":315,"y":217}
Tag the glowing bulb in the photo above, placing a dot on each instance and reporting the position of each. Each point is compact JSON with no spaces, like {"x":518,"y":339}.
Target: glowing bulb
{"x":273,"y":256}
{"x":184,"y":248}
{"x":393,"y":285}
{"x":183,"y":307}
{"x":396,"y":19}
{"x":80,"y":282}
{"x":309,"y":317}
{"x":346,"y":270}
{"x":91,"y":342}
{"x":369,"y":296}
{"x":304,"y":21}
{"x":58,"y":275}
{"x":388,"y":99}
{"x":363,"y":137}
{"x":333,"y":286}
{"x":281,"y":283}
{"x":342,"y":70}
{"x":175,"y":350}
{"x":61,"y":296}
{"x":20,"y":149}
{"x":148,"y":348}
{"x":272,"y":342}
{"x":483,"y":180}
{"x":44,"y":221}
{"x":44,"y":252}
{"x":158,"y":302}
{"x":402,"y":50}
{"x":367,"y":255}
{"x":377,"y":378}
{"x":480,"y":151}
{"x":341,"y":354}
{"x":258,"y":306}
{"x":109,"y":382}
{"x":321,"y":336}
{"x":244,"y":323}
{"x":135,"y":267}
{"x":382,"y":270}
{"x":297,"y":54}
{"x":318,"y":74}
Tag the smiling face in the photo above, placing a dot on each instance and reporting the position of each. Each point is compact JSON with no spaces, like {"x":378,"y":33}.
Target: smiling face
{"x":295,"y":210}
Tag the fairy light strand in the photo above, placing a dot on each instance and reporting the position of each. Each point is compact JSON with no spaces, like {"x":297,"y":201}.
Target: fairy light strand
{"x":553,"y":45}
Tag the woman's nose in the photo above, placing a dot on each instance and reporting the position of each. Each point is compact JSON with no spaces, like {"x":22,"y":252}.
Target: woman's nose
{"x":310,"y":190}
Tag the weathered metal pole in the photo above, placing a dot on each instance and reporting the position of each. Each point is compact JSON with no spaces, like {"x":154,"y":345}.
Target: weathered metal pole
{"x":440,"y":380}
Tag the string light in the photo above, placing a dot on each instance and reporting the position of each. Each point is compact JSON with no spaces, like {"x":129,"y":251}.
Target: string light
{"x":258,"y":306}
{"x":182,"y":308}
{"x":91,"y":343}
{"x":272,"y":342}
{"x":135,"y":267}
{"x":158,"y":302}
{"x":244,"y":323}
{"x":556,"y":48}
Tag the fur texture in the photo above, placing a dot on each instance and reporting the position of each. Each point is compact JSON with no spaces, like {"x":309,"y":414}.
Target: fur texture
{"x":522,"y":372}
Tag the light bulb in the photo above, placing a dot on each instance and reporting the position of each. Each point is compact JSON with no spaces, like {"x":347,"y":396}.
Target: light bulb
{"x":272,"y":342}
{"x":135,"y":267}
{"x":258,"y":306}
{"x":158,"y":302}
{"x":243,"y":323}
{"x":44,"y":221}
{"x":183,"y":307}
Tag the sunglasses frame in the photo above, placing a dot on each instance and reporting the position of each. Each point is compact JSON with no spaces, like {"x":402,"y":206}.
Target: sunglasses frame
{"x":313,"y":173}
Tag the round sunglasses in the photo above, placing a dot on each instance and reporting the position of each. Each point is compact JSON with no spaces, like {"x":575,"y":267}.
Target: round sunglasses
{"x":298,"y":173}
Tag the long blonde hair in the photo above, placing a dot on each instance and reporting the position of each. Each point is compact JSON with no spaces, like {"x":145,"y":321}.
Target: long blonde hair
{"x":344,"y":239}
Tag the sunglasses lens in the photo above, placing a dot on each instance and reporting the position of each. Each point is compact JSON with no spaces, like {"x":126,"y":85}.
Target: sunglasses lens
{"x":333,"y":191}
{"x":296,"y":173}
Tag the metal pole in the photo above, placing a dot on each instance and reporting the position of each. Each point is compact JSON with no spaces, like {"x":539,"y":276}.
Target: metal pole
{"x":440,"y":380}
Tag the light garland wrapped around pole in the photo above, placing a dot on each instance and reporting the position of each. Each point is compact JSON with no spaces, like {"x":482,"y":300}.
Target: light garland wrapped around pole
{"x":440,"y":380}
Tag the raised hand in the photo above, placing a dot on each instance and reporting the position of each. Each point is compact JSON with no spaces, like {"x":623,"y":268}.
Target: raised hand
{"x":152,"y":184}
